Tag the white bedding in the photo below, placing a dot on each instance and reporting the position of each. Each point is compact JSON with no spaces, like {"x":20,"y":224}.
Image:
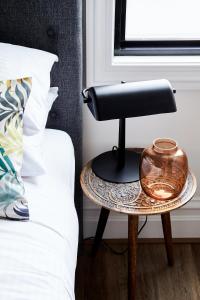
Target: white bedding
{"x":38,"y":257}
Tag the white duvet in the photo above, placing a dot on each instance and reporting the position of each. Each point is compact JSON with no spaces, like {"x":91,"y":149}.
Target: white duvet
{"x":38,"y":257}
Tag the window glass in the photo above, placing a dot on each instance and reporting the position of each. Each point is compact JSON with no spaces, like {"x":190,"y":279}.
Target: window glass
{"x":162,"y":20}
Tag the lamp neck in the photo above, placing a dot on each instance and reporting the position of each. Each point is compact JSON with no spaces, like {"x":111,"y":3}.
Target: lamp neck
{"x":121,"y":143}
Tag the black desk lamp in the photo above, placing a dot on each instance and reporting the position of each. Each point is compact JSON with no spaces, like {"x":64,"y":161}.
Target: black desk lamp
{"x":123,"y":101}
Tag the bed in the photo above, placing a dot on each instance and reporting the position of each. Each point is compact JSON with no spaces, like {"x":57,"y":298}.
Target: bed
{"x":38,"y":257}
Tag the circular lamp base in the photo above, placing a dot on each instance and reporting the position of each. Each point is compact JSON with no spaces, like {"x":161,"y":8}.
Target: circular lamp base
{"x":106,"y":167}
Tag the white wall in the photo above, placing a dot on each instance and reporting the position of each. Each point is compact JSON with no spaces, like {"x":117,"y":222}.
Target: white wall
{"x":184,"y":126}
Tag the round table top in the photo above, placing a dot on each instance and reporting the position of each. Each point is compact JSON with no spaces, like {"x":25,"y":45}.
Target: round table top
{"x":129,"y":198}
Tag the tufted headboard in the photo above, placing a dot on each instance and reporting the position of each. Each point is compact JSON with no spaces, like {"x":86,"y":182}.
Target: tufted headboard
{"x":54,"y":26}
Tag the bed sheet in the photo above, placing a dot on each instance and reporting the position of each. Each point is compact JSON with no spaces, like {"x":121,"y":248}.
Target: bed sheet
{"x":38,"y":257}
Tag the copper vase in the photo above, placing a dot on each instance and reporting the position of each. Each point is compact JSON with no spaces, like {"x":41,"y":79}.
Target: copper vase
{"x":163,"y":169}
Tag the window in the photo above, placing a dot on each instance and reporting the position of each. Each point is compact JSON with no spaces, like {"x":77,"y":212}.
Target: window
{"x":157,"y":27}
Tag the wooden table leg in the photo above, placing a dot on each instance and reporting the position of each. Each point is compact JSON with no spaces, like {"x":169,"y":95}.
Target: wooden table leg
{"x":100,"y":229}
{"x":132,"y":255}
{"x":167,"y":231}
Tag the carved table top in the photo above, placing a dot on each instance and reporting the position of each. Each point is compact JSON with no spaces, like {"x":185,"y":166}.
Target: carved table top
{"x":129,"y":198}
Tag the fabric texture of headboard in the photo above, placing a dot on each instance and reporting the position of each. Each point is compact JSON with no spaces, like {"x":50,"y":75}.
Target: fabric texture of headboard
{"x":54,"y":26}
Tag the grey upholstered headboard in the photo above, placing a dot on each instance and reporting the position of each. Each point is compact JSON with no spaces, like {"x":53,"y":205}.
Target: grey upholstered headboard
{"x":54,"y":26}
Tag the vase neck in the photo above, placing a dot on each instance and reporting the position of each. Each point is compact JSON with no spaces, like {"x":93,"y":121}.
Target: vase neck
{"x":165,"y":146}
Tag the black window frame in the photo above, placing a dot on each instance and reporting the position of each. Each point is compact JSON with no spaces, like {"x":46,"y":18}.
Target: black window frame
{"x":147,"y":48}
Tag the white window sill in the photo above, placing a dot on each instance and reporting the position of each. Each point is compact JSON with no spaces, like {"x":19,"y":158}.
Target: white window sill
{"x":191,"y":61}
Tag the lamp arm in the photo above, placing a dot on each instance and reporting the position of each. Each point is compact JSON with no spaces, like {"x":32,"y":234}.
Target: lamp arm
{"x":121,"y":142}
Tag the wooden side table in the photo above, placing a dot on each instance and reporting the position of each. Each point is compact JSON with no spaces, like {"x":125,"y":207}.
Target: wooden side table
{"x":130,"y":199}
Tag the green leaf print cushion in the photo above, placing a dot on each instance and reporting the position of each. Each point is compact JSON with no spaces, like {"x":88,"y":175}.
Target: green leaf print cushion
{"x":13,"y":97}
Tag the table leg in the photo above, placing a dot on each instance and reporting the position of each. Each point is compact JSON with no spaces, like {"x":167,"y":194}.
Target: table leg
{"x":132,"y":255}
{"x":100,"y":229}
{"x":167,"y":231}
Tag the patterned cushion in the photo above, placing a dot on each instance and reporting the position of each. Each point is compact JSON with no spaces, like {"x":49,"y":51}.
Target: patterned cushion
{"x":13,"y":97}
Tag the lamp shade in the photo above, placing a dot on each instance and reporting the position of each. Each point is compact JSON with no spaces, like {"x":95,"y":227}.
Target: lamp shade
{"x":132,"y":99}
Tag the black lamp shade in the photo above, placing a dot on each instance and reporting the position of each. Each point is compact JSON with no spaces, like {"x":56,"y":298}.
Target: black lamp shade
{"x":131,"y":99}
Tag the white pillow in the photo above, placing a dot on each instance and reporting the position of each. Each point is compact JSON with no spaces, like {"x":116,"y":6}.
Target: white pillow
{"x":20,"y":62}
{"x":33,"y":164}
